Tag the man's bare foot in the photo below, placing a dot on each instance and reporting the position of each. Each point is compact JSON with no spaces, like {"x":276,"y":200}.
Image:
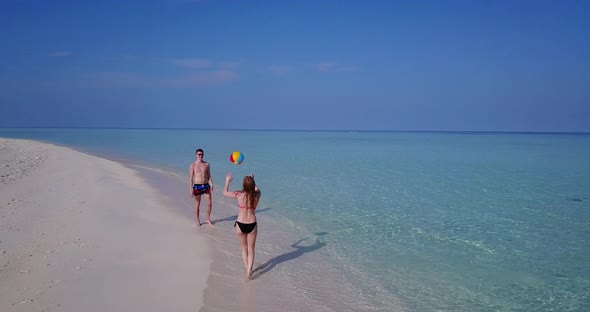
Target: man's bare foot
{"x":198,"y":223}
{"x":210,"y":223}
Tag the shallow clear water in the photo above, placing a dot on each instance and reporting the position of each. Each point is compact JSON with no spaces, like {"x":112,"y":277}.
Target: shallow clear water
{"x":426,"y":221}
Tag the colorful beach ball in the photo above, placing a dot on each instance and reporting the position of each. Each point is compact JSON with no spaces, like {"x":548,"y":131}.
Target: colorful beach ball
{"x":236,"y":157}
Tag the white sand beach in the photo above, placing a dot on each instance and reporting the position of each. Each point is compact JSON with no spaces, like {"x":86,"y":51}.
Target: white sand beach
{"x":82,"y":233}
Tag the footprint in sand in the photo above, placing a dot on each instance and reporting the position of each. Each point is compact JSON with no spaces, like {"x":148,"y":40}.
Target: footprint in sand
{"x":79,"y":243}
{"x":52,"y":283}
{"x":25,"y":301}
{"x":48,"y":252}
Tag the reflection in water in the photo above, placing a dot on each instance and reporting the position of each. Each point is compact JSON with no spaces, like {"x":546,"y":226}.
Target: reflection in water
{"x":245,"y":299}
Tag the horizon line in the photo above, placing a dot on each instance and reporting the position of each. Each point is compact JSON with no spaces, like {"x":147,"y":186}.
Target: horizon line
{"x":298,"y":130}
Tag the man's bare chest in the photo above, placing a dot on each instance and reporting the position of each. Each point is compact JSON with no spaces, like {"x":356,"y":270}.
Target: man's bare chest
{"x":201,"y":167}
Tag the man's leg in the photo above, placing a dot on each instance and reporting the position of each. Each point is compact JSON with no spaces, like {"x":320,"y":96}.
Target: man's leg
{"x":209,"y":208}
{"x":197,"y":206}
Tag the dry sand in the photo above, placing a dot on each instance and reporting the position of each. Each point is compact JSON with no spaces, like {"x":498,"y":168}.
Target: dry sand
{"x":82,"y":233}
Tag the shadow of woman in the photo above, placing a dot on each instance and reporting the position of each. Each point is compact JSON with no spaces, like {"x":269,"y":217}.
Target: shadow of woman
{"x":299,"y":251}
{"x":235,"y":217}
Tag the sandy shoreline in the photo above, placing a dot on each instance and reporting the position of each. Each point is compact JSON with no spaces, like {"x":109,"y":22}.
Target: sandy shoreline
{"x":100,"y":233}
{"x":82,"y":233}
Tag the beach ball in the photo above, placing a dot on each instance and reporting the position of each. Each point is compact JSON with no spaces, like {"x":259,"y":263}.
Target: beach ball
{"x":236,"y":157}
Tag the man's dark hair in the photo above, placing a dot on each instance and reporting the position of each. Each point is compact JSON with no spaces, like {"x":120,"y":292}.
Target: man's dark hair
{"x":199,"y":150}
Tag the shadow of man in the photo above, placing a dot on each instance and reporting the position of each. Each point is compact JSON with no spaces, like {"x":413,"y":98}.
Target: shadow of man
{"x":299,"y":251}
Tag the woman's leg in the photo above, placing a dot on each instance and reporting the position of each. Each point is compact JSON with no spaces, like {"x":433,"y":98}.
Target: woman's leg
{"x":244,"y":244}
{"x":251,"y":245}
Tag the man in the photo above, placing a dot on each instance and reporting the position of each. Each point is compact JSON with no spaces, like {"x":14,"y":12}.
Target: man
{"x":201,"y":184}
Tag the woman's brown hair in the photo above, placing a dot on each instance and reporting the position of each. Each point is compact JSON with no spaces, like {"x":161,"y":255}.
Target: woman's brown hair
{"x":249,"y":188}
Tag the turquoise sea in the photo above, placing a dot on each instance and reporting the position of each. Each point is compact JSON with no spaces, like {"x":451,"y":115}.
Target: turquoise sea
{"x":385,"y":221}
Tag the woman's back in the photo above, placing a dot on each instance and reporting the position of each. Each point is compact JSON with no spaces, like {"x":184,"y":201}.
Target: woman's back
{"x":245,"y":210}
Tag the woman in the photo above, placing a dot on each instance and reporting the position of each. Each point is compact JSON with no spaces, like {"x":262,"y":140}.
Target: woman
{"x":246,"y":224}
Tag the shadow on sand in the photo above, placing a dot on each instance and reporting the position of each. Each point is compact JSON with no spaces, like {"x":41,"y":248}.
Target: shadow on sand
{"x":235,"y":217}
{"x":299,"y":251}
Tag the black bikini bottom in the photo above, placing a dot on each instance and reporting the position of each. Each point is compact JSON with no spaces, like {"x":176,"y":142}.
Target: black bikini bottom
{"x":245,"y":227}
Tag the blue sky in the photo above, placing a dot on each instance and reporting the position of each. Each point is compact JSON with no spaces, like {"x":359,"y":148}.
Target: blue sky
{"x":365,"y":65}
